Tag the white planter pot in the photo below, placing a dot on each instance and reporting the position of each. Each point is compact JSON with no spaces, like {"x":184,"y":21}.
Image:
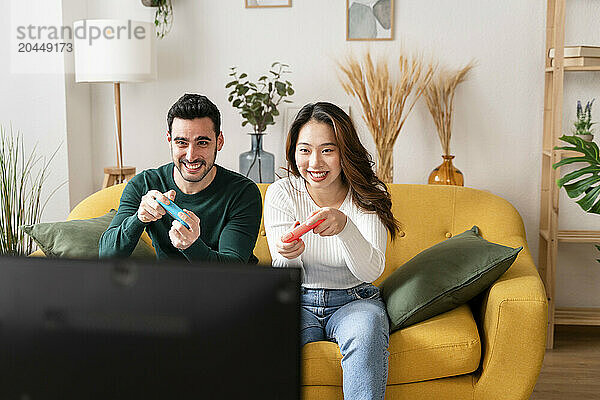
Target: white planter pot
{"x":587,"y":138}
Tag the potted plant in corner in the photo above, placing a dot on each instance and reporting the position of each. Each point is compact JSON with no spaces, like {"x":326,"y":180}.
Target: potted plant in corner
{"x":257,"y":102}
{"x":584,"y":182}
{"x":22,"y":178}
{"x":583,"y":125}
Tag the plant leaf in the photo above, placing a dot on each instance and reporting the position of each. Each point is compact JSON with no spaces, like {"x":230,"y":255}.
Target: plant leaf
{"x":588,"y":186}
{"x":577,"y":174}
{"x":587,"y":201}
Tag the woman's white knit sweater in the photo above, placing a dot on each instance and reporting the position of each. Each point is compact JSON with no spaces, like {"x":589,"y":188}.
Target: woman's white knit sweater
{"x":353,"y":256}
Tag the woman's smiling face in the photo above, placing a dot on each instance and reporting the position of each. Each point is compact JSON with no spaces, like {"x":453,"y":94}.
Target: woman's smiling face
{"x":317,"y":155}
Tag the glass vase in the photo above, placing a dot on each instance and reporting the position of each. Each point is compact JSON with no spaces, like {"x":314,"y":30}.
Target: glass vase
{"x":446,"y":174}
{"x":257,"y":164}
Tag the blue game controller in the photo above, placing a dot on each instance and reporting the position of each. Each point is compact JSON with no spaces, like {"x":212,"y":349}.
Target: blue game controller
{"x":174,"y":210}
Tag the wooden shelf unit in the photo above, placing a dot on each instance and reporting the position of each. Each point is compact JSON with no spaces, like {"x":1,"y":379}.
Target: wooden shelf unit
{"x":577,"y":316}
{"x":584,"y":69}
{"x":579,"y":236}
{"x":549,"y":234}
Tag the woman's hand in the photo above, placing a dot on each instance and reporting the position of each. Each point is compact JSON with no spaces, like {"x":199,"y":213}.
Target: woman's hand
{"x":289,"y":250}
{"x":335,"y":221}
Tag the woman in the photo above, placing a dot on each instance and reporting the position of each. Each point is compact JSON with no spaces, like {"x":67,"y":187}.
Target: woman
{"x":332,"y":180}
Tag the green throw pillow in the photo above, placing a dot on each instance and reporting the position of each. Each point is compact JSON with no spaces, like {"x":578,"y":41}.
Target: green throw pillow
{"x":443,"y":277}
{"x":78,"y":238}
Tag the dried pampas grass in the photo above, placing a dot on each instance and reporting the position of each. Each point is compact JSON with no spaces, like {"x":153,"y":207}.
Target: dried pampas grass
{"x":385,"y":99}
{"x":439,"y":96}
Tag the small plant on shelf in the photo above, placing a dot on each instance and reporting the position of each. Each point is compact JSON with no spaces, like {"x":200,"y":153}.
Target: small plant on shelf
{"x":583,"y":125}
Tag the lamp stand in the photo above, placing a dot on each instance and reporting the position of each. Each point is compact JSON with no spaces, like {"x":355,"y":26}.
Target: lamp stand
{"x":118,"y":174}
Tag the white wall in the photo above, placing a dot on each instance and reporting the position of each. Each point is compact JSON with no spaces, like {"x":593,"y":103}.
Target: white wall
{"x":77,"y":103}
{"x":34,"y":103}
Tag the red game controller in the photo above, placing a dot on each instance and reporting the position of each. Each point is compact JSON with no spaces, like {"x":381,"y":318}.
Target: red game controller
{"x":300,"y":230}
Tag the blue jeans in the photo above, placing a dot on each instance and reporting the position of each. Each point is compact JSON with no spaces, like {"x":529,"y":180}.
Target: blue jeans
{"x":356,"y":320}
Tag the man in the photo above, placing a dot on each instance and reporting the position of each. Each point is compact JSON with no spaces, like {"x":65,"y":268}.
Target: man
{"x":221,"y":207}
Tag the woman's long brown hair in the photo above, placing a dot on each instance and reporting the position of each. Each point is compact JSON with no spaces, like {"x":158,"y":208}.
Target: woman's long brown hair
{"x":368,"y":192}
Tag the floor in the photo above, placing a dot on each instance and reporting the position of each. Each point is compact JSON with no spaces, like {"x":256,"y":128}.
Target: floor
{"x":572,"y":369}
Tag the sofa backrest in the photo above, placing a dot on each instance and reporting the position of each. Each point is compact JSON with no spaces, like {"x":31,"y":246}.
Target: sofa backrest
{"x":99,"y":203}
{"x":428,"y":214}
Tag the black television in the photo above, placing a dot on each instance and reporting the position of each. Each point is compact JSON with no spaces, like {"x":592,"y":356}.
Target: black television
{"x":73,"y":329}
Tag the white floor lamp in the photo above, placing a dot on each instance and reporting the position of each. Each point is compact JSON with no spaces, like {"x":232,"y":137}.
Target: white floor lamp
{"x":115,"y":51}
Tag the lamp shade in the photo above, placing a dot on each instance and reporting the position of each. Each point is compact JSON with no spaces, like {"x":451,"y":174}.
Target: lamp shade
{"x":113,"y":50}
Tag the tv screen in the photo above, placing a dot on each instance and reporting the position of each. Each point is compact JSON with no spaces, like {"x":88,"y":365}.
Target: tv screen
{"x":119,"y":329}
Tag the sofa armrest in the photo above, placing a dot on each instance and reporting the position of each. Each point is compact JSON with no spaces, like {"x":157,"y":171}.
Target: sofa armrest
{"x":512,"y":317}
{"x":37,"y":253}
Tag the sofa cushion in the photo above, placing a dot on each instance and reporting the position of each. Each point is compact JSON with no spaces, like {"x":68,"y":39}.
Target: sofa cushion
{"x":78,"y":238}
{"x":443,"y":346}
{"x":443,"y":277}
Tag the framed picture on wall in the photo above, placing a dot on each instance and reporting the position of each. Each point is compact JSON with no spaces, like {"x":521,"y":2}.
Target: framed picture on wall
{"x":268,"y":3}
{"x":369,"y":19}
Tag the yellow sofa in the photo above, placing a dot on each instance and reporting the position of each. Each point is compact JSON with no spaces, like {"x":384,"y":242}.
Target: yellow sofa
{"x":491,"y":348}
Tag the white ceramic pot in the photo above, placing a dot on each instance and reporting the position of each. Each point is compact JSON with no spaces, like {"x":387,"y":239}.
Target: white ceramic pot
{"x":587,"y":138}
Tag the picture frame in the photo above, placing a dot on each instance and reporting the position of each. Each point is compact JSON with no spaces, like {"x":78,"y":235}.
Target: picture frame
{"x":268,"y":3}
{"x":369,"y":20}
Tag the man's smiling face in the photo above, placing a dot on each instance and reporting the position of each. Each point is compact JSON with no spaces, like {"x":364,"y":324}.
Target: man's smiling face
{"x":194,"y":146}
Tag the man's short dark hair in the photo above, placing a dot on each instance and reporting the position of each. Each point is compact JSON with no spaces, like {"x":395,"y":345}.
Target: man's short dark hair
{"x":190,"y":106}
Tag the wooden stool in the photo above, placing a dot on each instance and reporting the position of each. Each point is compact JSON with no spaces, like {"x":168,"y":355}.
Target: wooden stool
{"x":115,"y":175}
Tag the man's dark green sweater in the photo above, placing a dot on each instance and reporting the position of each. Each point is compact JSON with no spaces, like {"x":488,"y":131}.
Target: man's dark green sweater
{"x":229,"y":209}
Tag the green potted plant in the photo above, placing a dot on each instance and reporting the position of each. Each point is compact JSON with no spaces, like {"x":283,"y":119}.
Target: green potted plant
{"x":583,"y":125}
{"x":258,"y":102}
{"x":163,"y":18}
{"x":20,"y":192}
{"x":588,"y":187}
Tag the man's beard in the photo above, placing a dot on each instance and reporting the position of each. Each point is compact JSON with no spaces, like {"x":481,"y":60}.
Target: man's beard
{"x":209,"y":167}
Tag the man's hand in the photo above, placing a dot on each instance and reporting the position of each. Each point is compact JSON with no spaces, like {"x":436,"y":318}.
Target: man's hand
{"x":182,"y":237}
{"x":335,"y":221}
{"x":289,"y":250}
{"x":149,"y":209}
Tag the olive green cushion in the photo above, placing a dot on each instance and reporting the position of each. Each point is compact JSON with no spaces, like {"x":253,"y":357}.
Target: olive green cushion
{"x":443,"y":277}
{"x":78,"y":238}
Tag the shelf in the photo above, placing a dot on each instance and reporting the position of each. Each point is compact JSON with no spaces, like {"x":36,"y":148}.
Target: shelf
{"x":576,"y":316}
{"x":575,"y":69}
{"x":563,"y":153}
{"x":579,"y":236}
{"x":550,"y":235}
